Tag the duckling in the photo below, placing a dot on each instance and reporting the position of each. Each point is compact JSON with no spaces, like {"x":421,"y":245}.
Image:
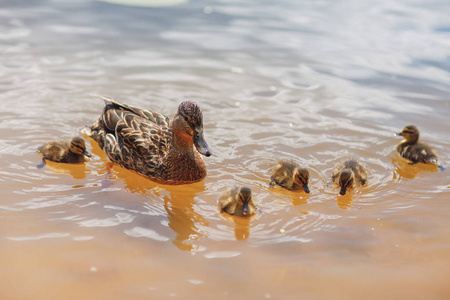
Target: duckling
{"x":350,"y":174}
{"x":413,"y":150}
{"x":291,"y":176}
{"x":65,"y":152}
{"x":237,"y":201}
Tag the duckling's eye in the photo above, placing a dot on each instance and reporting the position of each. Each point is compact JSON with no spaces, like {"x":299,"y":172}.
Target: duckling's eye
{"x":301,"y":179}
{"x":186,"y":118}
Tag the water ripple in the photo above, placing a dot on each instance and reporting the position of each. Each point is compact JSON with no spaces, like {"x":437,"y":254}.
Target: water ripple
{"x":145,"y":232}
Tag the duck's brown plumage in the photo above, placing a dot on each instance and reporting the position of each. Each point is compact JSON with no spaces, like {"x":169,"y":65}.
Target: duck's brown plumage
{"x":72,"y":152}
{"x":290,"y":175}
{"x":348,"y":175}
{"x":413,"y":150}
{"x":237,"y":201}
{"x":152,"y":145}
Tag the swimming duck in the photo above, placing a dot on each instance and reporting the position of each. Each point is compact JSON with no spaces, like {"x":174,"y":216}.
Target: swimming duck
{"x":237,"y":201}
{"x":152,"y":145}
{"x":413,"y":150}
{"x":290,"y":175}
{"x":350,"y":174}
{"x":65,"y":152}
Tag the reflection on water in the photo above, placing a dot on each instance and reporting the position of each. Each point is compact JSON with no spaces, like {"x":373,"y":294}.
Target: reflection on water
{"x":77,"y":171}
{"x":296,"y":197}
{"x":241,"y":225}
{"x":403,"y":169}
{"x":179,"y":202}
{"x":309,"y":81}
{"x":183,"y":219}
{"x":344,"y":201}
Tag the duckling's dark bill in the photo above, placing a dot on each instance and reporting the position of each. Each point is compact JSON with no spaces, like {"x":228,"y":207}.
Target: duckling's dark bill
{"x":245,"y":209}
{"x":343,"y":191}
{"x":87,"y":154}
{"x":306,"y":188}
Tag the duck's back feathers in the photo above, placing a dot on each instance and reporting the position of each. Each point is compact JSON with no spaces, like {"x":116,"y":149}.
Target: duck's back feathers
{"x":55,"y":151}
{"x":418,"y":153}
{"x":153,"y":117}
{"x":136,"y":142}
{"x":283,"y":174}
{"x":227,"y":201}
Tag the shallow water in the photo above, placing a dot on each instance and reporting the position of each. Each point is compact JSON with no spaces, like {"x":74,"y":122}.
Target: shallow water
{"x":316,"y":82}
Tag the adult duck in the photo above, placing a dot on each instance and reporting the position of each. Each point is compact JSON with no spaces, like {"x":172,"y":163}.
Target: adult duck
{"x":151,"y":144}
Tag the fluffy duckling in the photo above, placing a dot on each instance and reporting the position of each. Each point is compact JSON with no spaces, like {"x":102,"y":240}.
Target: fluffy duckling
{"x":65,"y":152}
{"x":290,"y":176}
{"x":413,"y":150}
{"x":237,"y":201}
{"x":350,"y":174}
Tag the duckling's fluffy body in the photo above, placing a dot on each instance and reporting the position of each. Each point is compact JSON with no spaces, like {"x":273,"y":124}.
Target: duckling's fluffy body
{"x":413,"y":150}
{"x":72,"y":152}
{"x":237,"y":201}
{"x":350,"y":174}
{"x":152,"y":145}
{"x":290,"y":175}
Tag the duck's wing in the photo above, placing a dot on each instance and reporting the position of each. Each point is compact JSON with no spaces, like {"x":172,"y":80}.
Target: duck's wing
{"x":361,"y":174}
{"x":227,"y":202}
{"x":154,"y":117}
{"x":136,"y":143}
{"x":418,"y":153}
{"x":144,"y":137}
{"x":336,"y":172}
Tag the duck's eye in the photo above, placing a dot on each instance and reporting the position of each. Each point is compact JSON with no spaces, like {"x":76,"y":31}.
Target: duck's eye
{"x":186,"y":118}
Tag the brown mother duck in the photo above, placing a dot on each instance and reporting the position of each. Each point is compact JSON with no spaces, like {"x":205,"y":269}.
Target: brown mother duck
{"x":237,"y":201}
{"x":290,"y":176}
{"x":64,"y":152}
{"x":152,"y":145}
{"x":414,"y":151}
{"x":351,"y":174}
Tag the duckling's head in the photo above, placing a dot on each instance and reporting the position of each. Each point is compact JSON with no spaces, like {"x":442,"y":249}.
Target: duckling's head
{"x":244,"y":197}
{"x":410,"y":133}
{"x":78,"y":146}
{"x":301,"y":177}
{"x":188,"y":127}
{"x":346,"y":180}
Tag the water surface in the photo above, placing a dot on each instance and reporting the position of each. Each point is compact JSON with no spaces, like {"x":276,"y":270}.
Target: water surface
{"x":312,"y":81}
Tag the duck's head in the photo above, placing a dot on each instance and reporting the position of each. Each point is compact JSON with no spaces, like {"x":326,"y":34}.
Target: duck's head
{"x":188,"y":127}
{"x":78,"y":146}
{"x":346,"y":180}
{"x":410,"y":133}
{"x":301,"y":177}
{"x":244,"y":197}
